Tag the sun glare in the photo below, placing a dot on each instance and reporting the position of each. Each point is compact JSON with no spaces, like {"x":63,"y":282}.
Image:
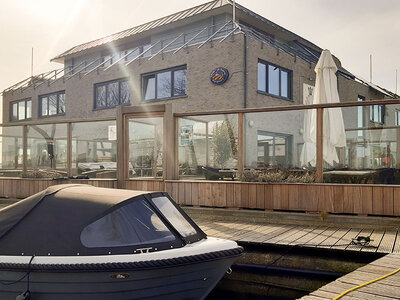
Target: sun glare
{"x":47,"y":10}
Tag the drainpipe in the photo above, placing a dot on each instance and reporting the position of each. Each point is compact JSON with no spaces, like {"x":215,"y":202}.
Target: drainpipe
{"x":245,"y":68}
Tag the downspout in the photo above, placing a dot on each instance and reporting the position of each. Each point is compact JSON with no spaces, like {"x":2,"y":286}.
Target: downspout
{"x":245,"y":68}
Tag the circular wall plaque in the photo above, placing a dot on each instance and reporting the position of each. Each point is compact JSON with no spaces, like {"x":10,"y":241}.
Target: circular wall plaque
{"x":219,"y":75}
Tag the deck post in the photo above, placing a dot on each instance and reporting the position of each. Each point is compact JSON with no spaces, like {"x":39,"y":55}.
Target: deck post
{"x":241,"y":154}
{"x":121,"y":160}
{"x":24,"y":149}
{"x":170,"y":144}
{"x":319,"y":158}
{"x":69,"y":149}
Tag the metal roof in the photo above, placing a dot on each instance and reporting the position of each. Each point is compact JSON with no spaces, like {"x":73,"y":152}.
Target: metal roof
{"x":147,"y":26}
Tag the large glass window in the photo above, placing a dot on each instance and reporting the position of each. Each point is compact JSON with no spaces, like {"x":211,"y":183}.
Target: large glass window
{"x":274,"y":80}
{"x":208,"y":147}
{"x":164,"y":84}
{"x":131,"y":225}
{"x":47,"y":147}
{"x":146,"y":147}
{"x":21,"y":110}
{"x":111,"y":94}
{"x":94,"y":149}
{"x":11,"y":150}
{"x":372,"y":158}
{"x":52,"y":104}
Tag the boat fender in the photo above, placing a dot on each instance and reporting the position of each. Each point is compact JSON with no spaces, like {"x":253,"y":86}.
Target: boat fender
{"x":24,"y":296}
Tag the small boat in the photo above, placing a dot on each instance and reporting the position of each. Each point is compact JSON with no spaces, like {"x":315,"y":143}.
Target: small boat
{"x":84,"y":242}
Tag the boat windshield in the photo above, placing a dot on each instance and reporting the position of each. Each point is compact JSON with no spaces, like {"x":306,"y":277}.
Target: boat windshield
{"x":174,"y":216}
{"x":133,"y":224}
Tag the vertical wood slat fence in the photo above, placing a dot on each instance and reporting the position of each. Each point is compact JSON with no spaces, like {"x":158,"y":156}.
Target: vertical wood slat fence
{"x":333,"y":198}
{"x":21,"y":188}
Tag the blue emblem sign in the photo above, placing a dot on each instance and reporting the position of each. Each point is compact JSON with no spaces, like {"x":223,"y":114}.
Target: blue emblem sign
{"x":219,"y":75}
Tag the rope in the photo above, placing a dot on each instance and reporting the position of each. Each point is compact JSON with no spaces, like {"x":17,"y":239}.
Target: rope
{"x":364,"y":284}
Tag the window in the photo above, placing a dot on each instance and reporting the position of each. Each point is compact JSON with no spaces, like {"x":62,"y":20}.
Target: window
{"x":174,"y":216}
{"x":274,"y":80}
{"x":21,"y":110}
{"x":130,"y":225}
{"x":360,"y":116}
{"x":52,"y":104}
{"x":111,"y":94}
{"x":164,"y":84}
{"x":377,"y":113}
{"x":397,"y":117}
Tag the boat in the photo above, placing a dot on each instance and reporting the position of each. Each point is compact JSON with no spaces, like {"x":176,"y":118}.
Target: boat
{"x":78,"y":241}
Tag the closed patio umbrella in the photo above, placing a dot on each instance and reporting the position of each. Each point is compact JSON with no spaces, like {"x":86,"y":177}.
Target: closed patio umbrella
{"x":333,"y":126}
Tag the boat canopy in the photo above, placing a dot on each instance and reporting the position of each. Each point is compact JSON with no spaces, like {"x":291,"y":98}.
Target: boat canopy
{"x":79,"y":219}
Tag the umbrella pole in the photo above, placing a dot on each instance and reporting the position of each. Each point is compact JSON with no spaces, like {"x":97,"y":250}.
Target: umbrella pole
{"x":319,"y":161}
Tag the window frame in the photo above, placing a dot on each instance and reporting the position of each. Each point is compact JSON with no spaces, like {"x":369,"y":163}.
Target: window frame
{"x":154,"y":74}
{"x":289,"y":79}
{"x":106,"y":83}
{"x":381,"y":113}
{"x":26,"y":100}
{"x":40,"y":107}
{"x":397,"y":117}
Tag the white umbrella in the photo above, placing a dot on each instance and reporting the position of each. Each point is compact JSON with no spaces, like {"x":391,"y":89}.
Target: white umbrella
{"x":333,"y":127}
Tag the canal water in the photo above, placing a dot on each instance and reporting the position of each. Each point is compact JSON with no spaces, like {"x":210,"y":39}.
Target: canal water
{"x":276,"y":273}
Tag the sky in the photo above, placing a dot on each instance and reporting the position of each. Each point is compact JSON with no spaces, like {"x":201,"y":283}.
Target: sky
{"x":351,"y":29}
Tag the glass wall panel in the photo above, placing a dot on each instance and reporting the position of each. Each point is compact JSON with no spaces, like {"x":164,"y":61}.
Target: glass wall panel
{"x":208,"y":147}
{"x":280,"y":146}
{"x":47,"y":147}
{"x":369,"y":151}
{"x":146,"y":147}
{"x":11,"y":151}
{"x":94,"y":149}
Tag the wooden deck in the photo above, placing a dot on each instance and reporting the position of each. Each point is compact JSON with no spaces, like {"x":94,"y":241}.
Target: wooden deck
{"x":385,"y":289}
{"x":319,"y":236}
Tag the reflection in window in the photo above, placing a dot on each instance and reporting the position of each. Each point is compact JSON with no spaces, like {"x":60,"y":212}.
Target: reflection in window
{"x":94,"y":149}
{"x":146,"y":147}
{"x":47,"y":147}
{"x":133,"y":224}
{"x":164,"y":84}
{"x":11,"y":150}
{"x":262,"y":79}
{"x":21,"y":110}
{"x":176,"y":219}
{"x":397,"y":117}
{"x":274,"y":149}
{"x":274,"y":80}
{"x":52,"y":104}
{"x":112,"y":93}
{"x":208,"y":147}
{"x":360,"y":116}
{"x":179,"y":82}
{"x":377,"y":113}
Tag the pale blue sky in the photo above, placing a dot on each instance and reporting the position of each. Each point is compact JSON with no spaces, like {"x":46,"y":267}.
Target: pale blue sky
{"x":351,"y":29}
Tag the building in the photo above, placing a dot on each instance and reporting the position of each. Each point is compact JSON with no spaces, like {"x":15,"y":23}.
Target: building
{"x":170,"y":61}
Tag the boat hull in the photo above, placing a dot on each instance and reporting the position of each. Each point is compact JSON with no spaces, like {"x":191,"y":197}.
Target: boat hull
{"x":189,"y":277}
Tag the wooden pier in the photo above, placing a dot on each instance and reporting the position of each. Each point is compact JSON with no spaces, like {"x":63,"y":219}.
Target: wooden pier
{"x":385,"y":289}
{"x":301,"y":230}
